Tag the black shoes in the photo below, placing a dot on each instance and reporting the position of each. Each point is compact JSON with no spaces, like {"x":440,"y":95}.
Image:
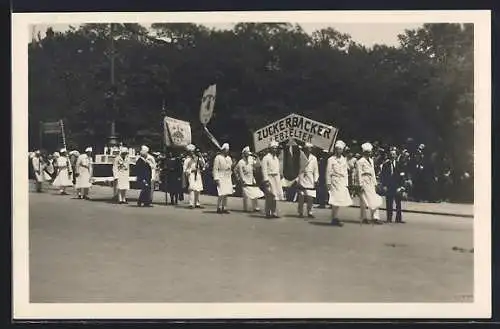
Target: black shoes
{"x":336,"y":222}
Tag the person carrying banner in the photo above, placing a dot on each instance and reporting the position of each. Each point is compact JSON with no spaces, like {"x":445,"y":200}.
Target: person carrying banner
{"x":245,"y":169}
{"x":365,"y":171}
{"x":307,"y":181}
{"x":337,"y":181}
{"x":83,"y":173}
{"x":144,"y":176}
{"x":192,"y":168}
{"x":151,"y":160}
{"x":121,"y":174}
{"x":222,"y":171}
{"x":64,"y":173}
{"x":38,"y":168}
{"x":272,"y":180}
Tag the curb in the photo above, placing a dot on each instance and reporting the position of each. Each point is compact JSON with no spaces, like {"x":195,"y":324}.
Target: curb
{"x":428,"y":212}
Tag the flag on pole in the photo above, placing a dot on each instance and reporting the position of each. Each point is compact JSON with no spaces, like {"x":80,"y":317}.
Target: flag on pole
{"x":207,"y":104}
{"x":212,"y":138}
{"x":51,"y":127}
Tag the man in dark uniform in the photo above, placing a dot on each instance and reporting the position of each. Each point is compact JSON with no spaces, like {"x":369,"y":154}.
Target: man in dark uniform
{"x":144,"y":176}
{"x":321,"y":189}
{"x":173,"y":178}
{"x":392,"y":179}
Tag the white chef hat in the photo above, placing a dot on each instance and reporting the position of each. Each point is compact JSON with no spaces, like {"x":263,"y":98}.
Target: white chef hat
{"x":308,"y":145}
{"x":37,"y":152}
{"x":88,"y":149}
{"x":56,"y":154}
{"x":246,"y":149}
{"x":273,"y":144}
{"x":74,"y":152}
{"x":190,"y":147}
{"x":63,"y":150}
{"x":367,"y":147}
{"x":123,"y":150}
{"x":340,"y":144}
{"x":421,"y":146}
{"x":144,"y":149}
{"x":225,"y":146}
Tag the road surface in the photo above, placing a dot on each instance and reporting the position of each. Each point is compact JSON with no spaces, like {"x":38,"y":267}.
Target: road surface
{"x":96,"y":251}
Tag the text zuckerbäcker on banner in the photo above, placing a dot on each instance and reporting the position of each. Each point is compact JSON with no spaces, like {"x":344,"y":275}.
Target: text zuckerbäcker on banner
{"x":296,"y":127}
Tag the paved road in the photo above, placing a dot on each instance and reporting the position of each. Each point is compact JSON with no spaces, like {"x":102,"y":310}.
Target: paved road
{"x":96,"y":251}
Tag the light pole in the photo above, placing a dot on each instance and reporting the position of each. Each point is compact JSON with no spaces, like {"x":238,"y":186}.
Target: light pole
{"x":113,"y":139}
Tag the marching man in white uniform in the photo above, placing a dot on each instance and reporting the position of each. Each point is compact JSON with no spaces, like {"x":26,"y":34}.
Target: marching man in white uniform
{"x":271,"y":175}
{"x":121,"y":175}
{"x":245,"y":171}
{"x":307,"y":180}
{"x":84,"y":172}
{"x":222,"y":171}
{"x":150,"y":159}
{"x":64,"y":173}
{"x":337,"y":180}
{"x":38,"y":168}
{"x":365,"y":171}
{"x":192,"y":167}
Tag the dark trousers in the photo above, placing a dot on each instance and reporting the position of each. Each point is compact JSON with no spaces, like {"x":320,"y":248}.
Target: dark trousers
{"x":145,"y":195}
{"x":390,"y":198}
{"x":38,"y":186}
{"x":174,"y":197}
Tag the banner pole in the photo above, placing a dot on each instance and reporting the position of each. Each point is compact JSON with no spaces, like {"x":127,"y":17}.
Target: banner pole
{"x":40,"y":134}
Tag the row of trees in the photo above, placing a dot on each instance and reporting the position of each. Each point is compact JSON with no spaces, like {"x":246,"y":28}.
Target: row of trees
{"x":421,"y":89}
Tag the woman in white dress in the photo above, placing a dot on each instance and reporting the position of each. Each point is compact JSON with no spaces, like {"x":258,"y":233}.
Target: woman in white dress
{"x":192,"y":168}
{"x":245,"y":171}
{"x":337,"y":180}
{"x":84,"y":174}
{"x":64,"y":176}
{"x":367,"y":180}
{"x":222,"y":171}
{"x":121,"y":174}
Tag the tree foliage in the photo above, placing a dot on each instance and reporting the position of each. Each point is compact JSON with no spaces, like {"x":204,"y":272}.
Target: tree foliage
{"x":421,"y":89}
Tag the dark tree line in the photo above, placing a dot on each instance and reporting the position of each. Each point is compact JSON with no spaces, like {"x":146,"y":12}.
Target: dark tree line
{"x":421,"y":89}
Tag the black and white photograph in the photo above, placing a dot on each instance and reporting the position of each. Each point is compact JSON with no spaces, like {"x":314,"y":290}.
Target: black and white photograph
{"x":252,"y":165}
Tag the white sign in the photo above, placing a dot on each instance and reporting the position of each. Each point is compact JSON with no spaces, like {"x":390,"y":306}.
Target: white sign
{"x":296,"y":127}
{"x":177,"y":132}
{"x":207,"y":105}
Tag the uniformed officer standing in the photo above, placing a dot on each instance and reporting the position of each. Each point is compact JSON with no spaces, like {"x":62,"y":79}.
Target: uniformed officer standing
{"x":144,"y":169}
{"x":393,"y":179}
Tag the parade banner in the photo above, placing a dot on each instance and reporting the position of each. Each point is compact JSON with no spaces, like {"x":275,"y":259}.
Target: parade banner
{"x":51,"y":127}
{"x":177,"y":132}
{"x":207,"y":105}
{"x":296,"y":127}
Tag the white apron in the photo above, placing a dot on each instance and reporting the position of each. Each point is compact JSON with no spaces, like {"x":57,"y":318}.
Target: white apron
{"x":271,"y":174}
{"x":192,"y":169}
{"x":308,"y":176}
{"x":49,"y":170}
{"x":367,"y":180}
{"x":38,"y":167}
{"x":222,"y":172}
{"x":121,"y":172}
{"x":84,"y":174}
{"x":64,"y":176}
{"x":337,"y":180}
{"x":245,"y":170}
